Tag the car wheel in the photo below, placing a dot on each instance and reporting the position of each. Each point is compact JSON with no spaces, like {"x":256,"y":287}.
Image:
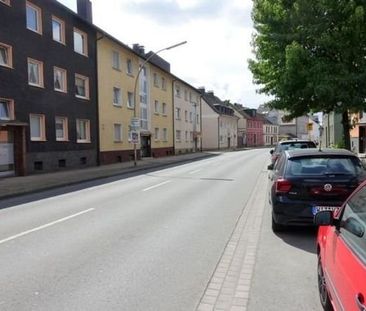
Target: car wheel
{"x":276,"y":227}
{"x":323,"y":291}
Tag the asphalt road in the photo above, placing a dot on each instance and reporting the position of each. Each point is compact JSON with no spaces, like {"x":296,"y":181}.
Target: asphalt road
{"x":149,"y":242}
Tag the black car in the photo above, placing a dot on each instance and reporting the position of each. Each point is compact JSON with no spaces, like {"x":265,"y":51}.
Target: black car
{"x":306,"y":181}
{"x":290,"y":145}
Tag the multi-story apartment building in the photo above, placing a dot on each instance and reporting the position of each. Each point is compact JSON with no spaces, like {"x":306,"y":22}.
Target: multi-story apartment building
{"x":270,"y":132}
{"x":242,"y":124}
{"x":48,"y":104}
{"x":187,"y":117}
{"x":219,"y":123}
{"x":255,"y":136}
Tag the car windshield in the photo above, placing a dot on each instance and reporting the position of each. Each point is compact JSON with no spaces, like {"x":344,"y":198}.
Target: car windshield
{"x":297,"y":145}
{"x":321,"y":166}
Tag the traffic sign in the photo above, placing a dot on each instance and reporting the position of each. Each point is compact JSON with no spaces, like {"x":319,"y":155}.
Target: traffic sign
{"x":135,"y":123}
{"x":134,"y":137}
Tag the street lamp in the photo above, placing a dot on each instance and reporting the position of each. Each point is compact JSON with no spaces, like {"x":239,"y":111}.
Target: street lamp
{"x":135,"y":87}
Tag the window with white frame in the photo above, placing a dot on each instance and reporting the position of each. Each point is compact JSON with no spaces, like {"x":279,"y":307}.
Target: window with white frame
{"x":7,"y":2}
{"x":82,"y":131}
{"x":37,"y":127}
{"x":58,"y":30}
{"x":130,"y":100}
{"x":80,"y":42}
{"x":178,"y":135}
{"x":165,"y":134}
{"x":163,"y":109}
{"x":163,"y":83}
{"x":117,"y":132}
{"x":156,"y":134}
{"x":6,"y":55}
{"x":117,"y":96}
{"x":34,"y":17}
{"x":129,"y":67}
{"x":116,"y":61}
{"x":6,"y":109}
{"x":35,"y":72}
{"x":81,"y":86}
{"x":177,"y":113}
{"x":177,"y":91}
{"x":156,"y":107}
{"x":156,"y":80}
{"x":61,"y":129}
{"x":59,"y":79}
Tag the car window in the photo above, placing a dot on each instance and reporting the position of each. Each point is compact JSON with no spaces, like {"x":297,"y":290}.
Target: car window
{"x":297,"y":145}
{"x":323,"y":166}
{"x":278,"y":167}
{"x":353,"y":223}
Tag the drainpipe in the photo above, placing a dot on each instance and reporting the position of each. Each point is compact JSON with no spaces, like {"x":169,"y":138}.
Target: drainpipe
{"x":173,"y":101}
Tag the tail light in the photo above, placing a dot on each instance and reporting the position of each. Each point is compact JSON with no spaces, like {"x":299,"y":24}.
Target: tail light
{"x":283,"y":186}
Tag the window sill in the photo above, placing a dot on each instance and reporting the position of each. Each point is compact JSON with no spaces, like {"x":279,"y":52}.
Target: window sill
{"x":82,"y":54}
{"x":6,"y":65}
{"x":60,"y":42}
{"x":130,"y":75}
{"x":62,"y":140}
{"x":116,"y":69}
{"x":36,"y":85}
{"x":117,"y":105}
{"x":131,"y":107}
{"x":60,"y":91}
{"x":83,"y":141}
{"x":38,"y":140}
{"x":82,"y":97}
{"x":35,"y":31}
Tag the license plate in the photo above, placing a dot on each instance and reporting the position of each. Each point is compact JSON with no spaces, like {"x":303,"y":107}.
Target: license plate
{"x":317,"y":209}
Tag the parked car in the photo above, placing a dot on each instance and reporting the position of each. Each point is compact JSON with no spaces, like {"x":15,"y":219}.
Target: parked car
{"x":306,"y":181}
{"x":341,"y":246}
{"x":290,"y":145}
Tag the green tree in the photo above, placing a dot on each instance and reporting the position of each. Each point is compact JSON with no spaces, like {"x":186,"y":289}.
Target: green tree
{"x":310,"y":56}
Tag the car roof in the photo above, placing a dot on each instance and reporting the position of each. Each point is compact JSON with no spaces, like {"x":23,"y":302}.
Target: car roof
{"x":316,"y":152}
{"x":284,"y":142}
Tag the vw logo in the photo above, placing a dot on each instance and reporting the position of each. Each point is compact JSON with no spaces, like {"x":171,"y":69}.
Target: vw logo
{"x":328,"y":187}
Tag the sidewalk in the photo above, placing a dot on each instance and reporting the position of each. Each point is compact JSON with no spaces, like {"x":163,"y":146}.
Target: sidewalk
{"x":14,"y":186}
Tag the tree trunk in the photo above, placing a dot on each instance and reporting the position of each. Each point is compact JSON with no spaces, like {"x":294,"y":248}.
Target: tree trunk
{"x":346,"y":129}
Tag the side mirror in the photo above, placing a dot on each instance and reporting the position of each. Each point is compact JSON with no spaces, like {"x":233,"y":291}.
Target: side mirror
{"x":271,"y":151}
{"x":270,"y":167}
{"x":323,"y":218}
{"x":354,"y":226}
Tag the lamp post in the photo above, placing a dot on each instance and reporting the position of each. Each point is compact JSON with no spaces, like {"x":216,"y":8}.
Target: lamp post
{"x":135,"y":87}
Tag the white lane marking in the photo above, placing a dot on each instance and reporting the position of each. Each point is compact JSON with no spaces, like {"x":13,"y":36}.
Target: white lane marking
{"x":196,"y":171}
{"x":158,"y":185}
{"x":45,"y":226}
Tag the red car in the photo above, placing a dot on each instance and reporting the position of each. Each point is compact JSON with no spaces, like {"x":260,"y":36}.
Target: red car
{"x":341,"y":246}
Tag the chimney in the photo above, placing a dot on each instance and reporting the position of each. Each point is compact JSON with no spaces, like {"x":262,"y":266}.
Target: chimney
{"x":201,"y":90}
{"x":139,"y":49}
{"x":211,"y":93}
{"x":85,"y":10}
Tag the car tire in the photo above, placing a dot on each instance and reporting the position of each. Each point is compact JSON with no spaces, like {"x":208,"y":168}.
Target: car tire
{"x":276,"y":227}
{"x":322,"y":287}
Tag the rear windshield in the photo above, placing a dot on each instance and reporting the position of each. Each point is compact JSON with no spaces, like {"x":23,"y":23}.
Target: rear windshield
{"x":320,"y":166}
{"x":297,"y":145}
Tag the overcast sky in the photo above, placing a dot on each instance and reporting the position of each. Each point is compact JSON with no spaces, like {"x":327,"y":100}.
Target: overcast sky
{"x":218,"y":34}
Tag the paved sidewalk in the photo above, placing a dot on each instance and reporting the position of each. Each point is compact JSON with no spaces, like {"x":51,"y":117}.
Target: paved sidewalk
{"x":14,"y":186}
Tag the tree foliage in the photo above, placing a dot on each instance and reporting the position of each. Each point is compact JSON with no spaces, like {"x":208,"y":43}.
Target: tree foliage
{"x":311,"y":55}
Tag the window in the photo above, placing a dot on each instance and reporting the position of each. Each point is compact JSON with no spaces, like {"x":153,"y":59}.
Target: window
{"x":156,"y":134}
{"x":197,"y":119}
{"x":130,"y":100}
{"x":191,"y":117}
{"x":6,"y":109}
{"x":117,"y":132}
{"x":186,"y":135}
{"x":37,"y":127}
{"x":115,"y":61}
{"x":5,"y":2}
{"x":178,"y":135}
{"x":34,"y":18}
{"x":177,"y":113}
{"x":163,"y":109}
{"x":6,"y":55}
{"x":156,"y":107}
{"x":82,"y":131}
{"x":61,"y":129}
{"x":58,"y":30}
{"x":186,"y":115}
{"x":163,"y":83}
{"x":156,"y":80}
{"x":129,"y":67}
{"x":80,"y":42}
{"x":59,"y":79}
{"x":177,"y":91}
{"x":117,"y":97}
{"x":165,"y":134}
{"x":81,"y":86}
{"x":191,"y":136}
{"x":185,"y":95}
{"x":353,"y":220}
{"x":35,"y":72}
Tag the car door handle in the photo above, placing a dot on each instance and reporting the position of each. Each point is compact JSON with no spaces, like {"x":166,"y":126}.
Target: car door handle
{"x":359,"y":302}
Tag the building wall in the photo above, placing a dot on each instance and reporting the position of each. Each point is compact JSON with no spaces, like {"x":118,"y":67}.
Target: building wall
{"x":255,"y":135}
{"x":189,"y":125}
{"x":333,"y":129}
{"x":228,"y":131}
{"x":270,"y":133}
{"x":242,"y":129}
{"x":159,"y":120}
{"x":111,"y":113}
{"x":210,"y":127}
{"x":45,"y":100}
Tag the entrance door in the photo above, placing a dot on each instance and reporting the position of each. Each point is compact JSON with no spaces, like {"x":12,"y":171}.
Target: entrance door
{"x":229,"y":142}
{"x":6,"y":153}
{"x":145,"y":146}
